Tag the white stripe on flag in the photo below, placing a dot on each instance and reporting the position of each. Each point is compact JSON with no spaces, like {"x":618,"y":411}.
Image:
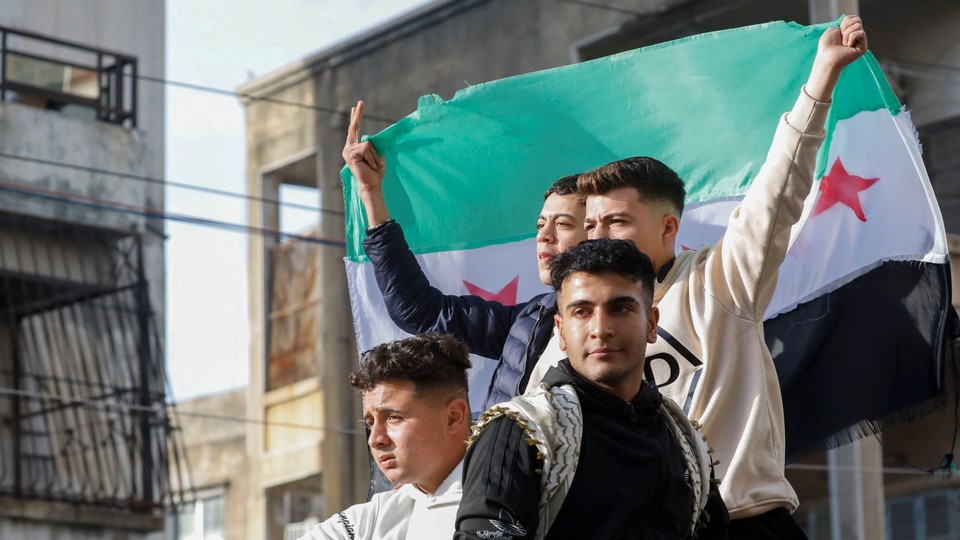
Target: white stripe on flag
{"x":490,"y":268}
{"x":902,"y":218}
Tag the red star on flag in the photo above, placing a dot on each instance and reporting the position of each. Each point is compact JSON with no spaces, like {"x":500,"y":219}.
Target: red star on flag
{"x":506,"y":296}
{"x":839,"y":186}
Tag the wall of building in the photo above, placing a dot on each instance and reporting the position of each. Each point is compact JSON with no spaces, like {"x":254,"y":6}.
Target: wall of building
{"x":217,"y":452}
{"x":134,"y":28}
{"x":131,"y":28}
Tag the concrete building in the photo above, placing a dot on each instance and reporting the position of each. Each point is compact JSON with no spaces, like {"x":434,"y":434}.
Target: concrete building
{"x":83,"y":428}
{"x":450,"y":43}
{"x":215,"y":443}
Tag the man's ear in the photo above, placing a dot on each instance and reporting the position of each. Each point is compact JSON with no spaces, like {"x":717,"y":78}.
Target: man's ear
{"x":458,"y":414}
{"x":558,"y":321}
{"x":669,"y":226}
{"x":653,"y":317}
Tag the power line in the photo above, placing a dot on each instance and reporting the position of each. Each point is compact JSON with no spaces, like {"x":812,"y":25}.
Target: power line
{"x":131,"y":407}
{"x":114,"y":206}
{"x":161,"y":181}
{"x":605,"y":7}
{"x":256,"y":97}
{"x":853,"y":468}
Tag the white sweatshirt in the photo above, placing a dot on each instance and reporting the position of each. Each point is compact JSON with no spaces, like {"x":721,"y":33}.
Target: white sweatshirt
{"x":397,"y":515}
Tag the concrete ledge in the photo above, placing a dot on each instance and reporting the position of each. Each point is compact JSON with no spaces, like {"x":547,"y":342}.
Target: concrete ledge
{"x":79,"y":514}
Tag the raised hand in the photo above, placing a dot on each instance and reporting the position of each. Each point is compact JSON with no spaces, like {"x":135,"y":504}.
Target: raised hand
{"x":367,"y":167}
{"x":837,"y":49}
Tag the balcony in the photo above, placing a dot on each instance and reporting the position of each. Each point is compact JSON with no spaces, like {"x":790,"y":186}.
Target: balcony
{"x":72,"y":78}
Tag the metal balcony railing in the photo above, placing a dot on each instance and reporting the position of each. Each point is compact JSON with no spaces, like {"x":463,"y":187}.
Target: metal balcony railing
{"x":60,"y":75}
{"x":84,"y":417}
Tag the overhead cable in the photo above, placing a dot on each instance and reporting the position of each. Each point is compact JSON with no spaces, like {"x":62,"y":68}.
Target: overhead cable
{"x":114,"y":206}
{"x":161,"y":181}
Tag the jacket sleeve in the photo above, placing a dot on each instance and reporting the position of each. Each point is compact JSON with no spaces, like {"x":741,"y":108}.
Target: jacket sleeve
{"x":501,"y":485}
{"x":742,"y":270}
{"x":417,"y":307}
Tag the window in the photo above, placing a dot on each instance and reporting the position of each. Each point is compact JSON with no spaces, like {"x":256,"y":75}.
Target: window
{"x":72,"y":78}
{"x":932,"y":515}
{"x":201,"y":520}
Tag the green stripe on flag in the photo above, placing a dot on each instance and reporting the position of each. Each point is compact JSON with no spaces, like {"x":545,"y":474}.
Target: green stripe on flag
{"x":470,"y":172}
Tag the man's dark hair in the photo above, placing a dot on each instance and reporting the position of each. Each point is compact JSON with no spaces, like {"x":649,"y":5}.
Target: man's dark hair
{"x":436,"y":363}
{"x":564,"y":186}
{"x":654,"y":181}
{"x":619,"y":257}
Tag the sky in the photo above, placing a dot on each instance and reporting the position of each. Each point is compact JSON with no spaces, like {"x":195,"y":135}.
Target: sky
{"x":222,"y":44}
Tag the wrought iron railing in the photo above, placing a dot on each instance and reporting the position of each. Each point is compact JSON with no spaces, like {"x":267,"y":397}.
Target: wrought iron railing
{"x":57,"y":74}
{"x":83,"y":412}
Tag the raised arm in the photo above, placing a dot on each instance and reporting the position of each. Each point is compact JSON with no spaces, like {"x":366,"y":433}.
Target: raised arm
{"x":368,"y":168}
{"x":742,"y":271}
{"x":413,"y":304}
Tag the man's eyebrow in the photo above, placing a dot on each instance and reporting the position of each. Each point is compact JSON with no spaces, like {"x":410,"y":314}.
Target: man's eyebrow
{"x":558,"y":214}
{"x":608,"y":215}
{"x":579,"y":303}
{"x":387,"y":410}
{"x":622,"y":300}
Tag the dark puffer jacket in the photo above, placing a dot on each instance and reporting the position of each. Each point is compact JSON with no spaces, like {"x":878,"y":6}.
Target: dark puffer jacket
{"x":516,"y":335}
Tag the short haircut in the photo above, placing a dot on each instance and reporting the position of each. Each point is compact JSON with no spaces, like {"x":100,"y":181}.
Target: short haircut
{"x":436,"y":363}
{"x":654,"y":181}
{"x":564,"y":186}
{"x":602,"y":255}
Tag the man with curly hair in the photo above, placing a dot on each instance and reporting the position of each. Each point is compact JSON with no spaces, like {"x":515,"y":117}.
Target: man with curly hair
{"x":415,"y":405}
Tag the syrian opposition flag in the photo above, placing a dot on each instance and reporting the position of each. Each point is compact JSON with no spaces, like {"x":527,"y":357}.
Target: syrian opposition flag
{"x":860,"y":320}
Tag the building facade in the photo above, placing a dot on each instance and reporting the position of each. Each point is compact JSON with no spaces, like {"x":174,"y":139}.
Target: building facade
{"x":84,"y":432}
{"x":215,"y":445}
{"x":859,"y":491}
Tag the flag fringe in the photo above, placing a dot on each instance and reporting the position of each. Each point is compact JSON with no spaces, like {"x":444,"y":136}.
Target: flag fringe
{"x":868,"y":428}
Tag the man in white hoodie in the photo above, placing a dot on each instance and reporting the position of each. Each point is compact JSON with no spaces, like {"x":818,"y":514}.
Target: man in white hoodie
{"x":415,"y":405}
{"x":710,"y":356}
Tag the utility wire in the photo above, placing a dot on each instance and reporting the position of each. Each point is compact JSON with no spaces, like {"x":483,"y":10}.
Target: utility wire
{"x":98,"y":404}
{"x":255,"y":97}
{"x":852,"y":468}
{"x":161,"y":181}
{"x":114,"y":206}
{"x":61,"y":399}
{"x":606,"y":7}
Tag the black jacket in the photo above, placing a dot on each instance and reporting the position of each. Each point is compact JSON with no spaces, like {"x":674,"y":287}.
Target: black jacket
{"x":516,"y":335}
{"x":631,"y":482}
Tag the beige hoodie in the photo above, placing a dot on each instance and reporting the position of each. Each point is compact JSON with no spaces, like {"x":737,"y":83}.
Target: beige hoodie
{"x":711,"y":327}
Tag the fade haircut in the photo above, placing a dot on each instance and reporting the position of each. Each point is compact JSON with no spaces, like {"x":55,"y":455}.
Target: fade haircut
{"x":602,"y":255}
{"x":436,"y":363}
{"x":564,"y":186}
{"x":654,"y":181}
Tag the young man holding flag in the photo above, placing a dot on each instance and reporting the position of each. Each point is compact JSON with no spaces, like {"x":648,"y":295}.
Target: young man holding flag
{"x":517,"y":335}
{"x":711,"y":357}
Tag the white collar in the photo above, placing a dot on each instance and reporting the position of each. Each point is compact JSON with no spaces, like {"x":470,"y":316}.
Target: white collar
{"x":450,"y":487}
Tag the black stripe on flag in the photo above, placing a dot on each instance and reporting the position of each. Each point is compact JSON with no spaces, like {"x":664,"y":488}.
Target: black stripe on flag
{"x":869,"y":354}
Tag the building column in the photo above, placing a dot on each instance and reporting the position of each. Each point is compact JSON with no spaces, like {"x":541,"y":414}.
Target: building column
{"x":830,"y":10}
{"x":856,"y":491}
{"x":267,"y":216}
